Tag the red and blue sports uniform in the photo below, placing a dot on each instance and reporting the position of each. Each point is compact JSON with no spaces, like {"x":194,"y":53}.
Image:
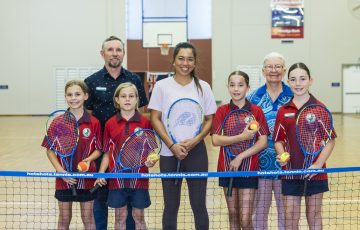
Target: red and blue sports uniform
{"x":89,"y":141}
{"x":285,"y":131}
{"x":250,"y":163}
{"x":117,"y":130}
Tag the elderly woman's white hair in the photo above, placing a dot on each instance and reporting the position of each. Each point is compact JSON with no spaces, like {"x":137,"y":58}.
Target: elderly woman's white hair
{"x":274,"y":55}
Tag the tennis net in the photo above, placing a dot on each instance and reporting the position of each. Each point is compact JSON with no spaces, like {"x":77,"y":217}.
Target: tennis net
{"x":27,"y":199}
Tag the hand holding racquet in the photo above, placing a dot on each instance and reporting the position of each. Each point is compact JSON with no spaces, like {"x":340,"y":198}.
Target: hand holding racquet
{"x":62,"y":135}
{"x":184,"y":121}
{"x":135,"y":150}
{"x":314,"y":125}
{"x":234,"y":124}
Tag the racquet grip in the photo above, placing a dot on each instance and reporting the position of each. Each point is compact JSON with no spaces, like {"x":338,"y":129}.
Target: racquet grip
{"x":73,"y":189}
{"x":305,"y":186}
{"x":177,"y":170}
{"x":230,"y":186}
{"x":96,"y":187}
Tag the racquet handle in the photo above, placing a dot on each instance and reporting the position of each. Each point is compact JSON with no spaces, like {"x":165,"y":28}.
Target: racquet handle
{"x":73,"y":189}
{"x":96,"y":187}
{"x":177,"y":170}
{"x":305,"y":186}
{"x":230,"y":186}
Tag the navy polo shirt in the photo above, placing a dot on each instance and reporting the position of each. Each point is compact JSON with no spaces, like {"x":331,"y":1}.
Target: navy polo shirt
{"x":101,"y":91}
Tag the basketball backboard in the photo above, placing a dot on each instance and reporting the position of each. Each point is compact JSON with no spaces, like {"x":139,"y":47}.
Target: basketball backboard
{"x":156,"y":33}
{"x":164,"y":22}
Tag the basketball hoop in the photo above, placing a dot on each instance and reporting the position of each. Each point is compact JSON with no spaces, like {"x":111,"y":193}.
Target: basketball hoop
{"x":164,"y":48}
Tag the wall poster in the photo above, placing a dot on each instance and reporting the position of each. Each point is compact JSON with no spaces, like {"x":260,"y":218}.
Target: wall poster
{"x":287,"y":19}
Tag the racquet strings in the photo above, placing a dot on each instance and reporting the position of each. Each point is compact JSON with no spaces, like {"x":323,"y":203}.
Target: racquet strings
{"x":136,"y":149}
{"x":234,"y":125}
{"x":314,"y":128}
{"x":62,"y":132}
{"x":185,"y":120}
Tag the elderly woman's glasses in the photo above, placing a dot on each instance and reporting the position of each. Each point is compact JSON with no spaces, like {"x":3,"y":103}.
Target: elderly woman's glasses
{"x":271,"y":67}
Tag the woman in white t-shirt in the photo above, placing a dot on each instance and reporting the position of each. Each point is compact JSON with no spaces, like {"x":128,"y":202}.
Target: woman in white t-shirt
{"x":192,"y":153}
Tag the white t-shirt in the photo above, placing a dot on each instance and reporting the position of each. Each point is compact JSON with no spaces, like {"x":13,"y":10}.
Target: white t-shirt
{"x":167,"y":91}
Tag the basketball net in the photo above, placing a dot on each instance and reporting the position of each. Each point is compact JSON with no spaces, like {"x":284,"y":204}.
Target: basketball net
{"x":164,"y":48}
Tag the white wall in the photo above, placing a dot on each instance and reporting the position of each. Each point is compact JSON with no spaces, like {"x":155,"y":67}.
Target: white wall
{"x":241,"y":35}
{"x":38,"y":35}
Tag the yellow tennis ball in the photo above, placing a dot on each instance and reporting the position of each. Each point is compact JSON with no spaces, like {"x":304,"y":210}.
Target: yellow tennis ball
{"x":82,"y":166}
{"x":284,"y":157}
{"x":253,"y":125}
{"x":153,"y":157}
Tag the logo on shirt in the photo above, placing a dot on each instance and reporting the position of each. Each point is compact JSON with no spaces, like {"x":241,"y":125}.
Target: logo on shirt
{"x":248,"y":119}
{"x":310,"y":118}
{"x":86,"y":132}
{"x":138,"y":131}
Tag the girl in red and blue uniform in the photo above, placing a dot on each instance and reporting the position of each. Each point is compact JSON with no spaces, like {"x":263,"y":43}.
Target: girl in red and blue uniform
{"x":240,"y":204}
{"x":299,"y":80}
{"x":88,"y":150}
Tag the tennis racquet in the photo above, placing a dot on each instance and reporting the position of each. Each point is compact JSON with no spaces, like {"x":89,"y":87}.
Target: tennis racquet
{"x":314,"y":125}
{"x":62,"y":135}
{"x":234,"y":123}
{"x":134,"y":151}
{"x":184,"y":121}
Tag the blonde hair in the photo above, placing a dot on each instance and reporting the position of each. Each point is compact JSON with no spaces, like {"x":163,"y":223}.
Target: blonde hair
{"x":79,"y":83}
{"x":118,"y":90}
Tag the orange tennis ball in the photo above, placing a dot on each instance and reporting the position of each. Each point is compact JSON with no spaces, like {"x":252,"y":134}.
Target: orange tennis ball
{"x":82,"y":166}
{"x":253,"y":125}
{"x":284,"y":157}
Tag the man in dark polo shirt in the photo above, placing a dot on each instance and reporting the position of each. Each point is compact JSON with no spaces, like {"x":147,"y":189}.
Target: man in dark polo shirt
{"x":102,"y":85}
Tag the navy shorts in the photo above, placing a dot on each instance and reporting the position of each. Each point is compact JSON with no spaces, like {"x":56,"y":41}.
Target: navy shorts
{"x":296,"y":187}
{"x":137,"y":198}
{"x":239,"y":182}
{"x":83,"y":195}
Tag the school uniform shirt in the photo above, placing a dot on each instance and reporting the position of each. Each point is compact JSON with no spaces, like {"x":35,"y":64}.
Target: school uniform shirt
{"x":117,"y":129}
{"x":248,"y":164}
{"x":167,"y":91}
{"x":89,"y":141}
{"x":285,"y":131}
{"x":260,"y":97}
{"x":102,"y":87}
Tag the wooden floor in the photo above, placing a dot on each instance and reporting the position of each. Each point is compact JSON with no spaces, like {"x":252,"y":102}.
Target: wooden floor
{"x":21,"y":136}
